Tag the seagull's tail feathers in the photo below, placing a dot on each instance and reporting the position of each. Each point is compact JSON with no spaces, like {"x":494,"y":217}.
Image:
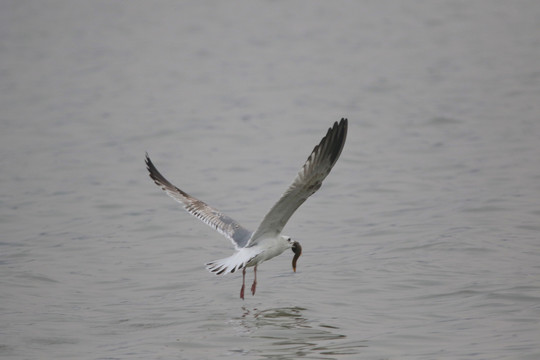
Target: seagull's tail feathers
{"x":229,"y":265}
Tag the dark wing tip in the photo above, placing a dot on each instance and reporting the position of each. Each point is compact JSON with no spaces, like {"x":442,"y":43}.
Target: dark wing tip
{"x":330,"y":147}
{"x":335,"y":138}
{"x":152,"y":171}
{"x":155,"y":174}
{"x":148,"y":162}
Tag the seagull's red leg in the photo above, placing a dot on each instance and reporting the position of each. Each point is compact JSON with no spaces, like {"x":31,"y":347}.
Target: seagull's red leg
{"x":243,"y":283}
{"x":254,"y":286}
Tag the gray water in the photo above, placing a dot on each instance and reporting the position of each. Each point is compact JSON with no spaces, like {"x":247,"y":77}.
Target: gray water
{"x":423,"y":243}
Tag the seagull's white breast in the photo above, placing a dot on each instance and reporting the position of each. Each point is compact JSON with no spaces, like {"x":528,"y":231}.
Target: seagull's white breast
{"x":268,"y":248}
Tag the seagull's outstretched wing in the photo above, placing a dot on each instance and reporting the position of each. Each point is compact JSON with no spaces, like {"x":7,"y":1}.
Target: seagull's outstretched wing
{"x":212,"y":217}
{"x":307,"y":182}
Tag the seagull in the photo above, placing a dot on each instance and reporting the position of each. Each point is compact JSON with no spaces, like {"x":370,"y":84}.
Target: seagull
{"x":266,"y":242}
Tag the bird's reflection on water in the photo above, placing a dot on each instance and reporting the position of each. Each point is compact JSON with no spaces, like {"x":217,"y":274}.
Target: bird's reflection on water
{"x":286,"y":333}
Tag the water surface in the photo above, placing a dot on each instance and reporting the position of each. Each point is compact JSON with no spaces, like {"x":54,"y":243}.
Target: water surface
{"x":423,"y":243}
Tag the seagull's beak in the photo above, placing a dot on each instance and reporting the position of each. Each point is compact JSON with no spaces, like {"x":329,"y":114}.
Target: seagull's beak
{"x":297,"y":250}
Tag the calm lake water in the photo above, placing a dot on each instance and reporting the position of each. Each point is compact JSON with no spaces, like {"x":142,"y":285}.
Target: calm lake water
{"x":423,"y":243}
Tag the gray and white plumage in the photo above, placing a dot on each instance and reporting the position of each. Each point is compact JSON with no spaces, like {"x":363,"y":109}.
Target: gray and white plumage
{"x":266,"y":242}
{"x":210,"y":216}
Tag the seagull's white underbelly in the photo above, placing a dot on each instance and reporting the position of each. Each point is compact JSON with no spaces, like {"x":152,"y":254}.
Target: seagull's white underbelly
{"x":267,"y":249}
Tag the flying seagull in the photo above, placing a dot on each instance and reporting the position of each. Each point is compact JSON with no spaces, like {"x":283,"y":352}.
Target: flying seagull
{"x":266,"y":242}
